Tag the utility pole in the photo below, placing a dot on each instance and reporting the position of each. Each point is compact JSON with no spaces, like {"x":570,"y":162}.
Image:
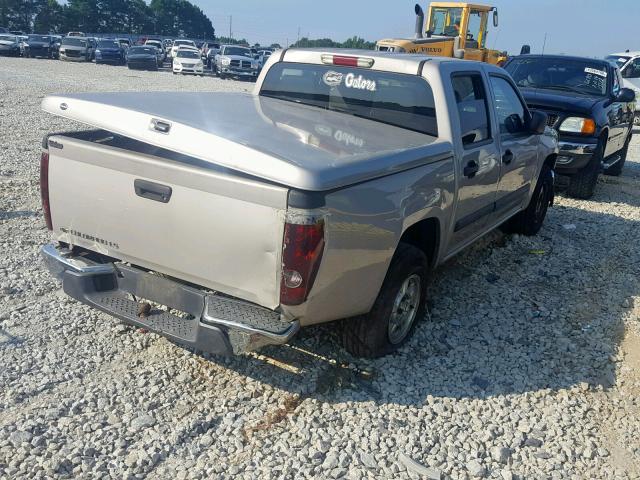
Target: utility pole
{"x":544,"y":44}
{"x":230,"y":25}
{"x":297,"y":41}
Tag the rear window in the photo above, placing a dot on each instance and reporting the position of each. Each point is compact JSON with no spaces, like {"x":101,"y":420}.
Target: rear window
{"x":108,"y":44}
{"x":39,"y":38}
{"x":397,"y":99}
{"x":74,"y":42}
{"x":142,"y":51}
{"x":187,"y":54}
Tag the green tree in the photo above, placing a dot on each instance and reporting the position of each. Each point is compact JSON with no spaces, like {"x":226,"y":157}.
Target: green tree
{"x":50,"y":18}
{"x":180,"y":18}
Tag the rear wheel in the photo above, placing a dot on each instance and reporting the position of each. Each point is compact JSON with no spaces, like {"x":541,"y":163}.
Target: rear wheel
{"x":529,"y":221}
{"x":583,"y":183}
{"x":616,"y":169}
{"x":400,"y":303}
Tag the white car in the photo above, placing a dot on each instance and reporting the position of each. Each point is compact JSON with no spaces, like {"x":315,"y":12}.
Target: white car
{"x":181,"y":43}
{"x":629,"y":64}
{"x":188,"y":60}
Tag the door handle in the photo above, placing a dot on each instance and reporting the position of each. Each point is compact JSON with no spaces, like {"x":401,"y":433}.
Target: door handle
{"x":152,"y":191}
{"x":471,"y":169}
{"x":507,"y":158}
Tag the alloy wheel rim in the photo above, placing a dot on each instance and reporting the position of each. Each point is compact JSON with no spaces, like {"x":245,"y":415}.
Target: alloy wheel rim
{"x":541,"y":202}
{"x":404,"y":310}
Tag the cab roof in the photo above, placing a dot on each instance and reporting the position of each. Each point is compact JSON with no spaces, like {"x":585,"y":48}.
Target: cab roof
{"x":478,"y":6}
{"x":625,"y":54}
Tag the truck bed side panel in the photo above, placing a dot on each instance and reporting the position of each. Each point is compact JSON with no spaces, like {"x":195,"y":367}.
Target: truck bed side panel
{"x":364,"y":225}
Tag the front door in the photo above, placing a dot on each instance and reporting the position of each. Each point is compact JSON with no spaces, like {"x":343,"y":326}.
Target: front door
{"x":479,"y":170}
{"x":518,"y":148}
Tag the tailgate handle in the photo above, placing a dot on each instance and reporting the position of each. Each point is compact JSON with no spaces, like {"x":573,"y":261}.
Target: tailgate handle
{"x":152,"y":191}
{"x":160,"y":126}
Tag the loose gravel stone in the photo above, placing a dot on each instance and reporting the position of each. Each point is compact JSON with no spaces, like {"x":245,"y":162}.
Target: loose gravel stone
{"x":527,"y":339}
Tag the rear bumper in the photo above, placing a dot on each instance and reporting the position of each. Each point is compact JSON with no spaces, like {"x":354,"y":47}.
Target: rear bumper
{"x":232,"y":72}
{"x":110,"y":60}
{"x":574,"y":156}
{"x":142,"y":65}
{"x":73,"y":58}
{"x":186,"y":315}
{"x":183,"y":69}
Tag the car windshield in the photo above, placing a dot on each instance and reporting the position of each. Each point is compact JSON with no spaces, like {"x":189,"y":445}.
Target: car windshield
{"x":153,"y":43}
{"x":39,"y":38}
{"x":243,"y":52}
{"x":572,"y":75}
{"x":618,"y":61}
{"x":74,"y":42}
{"x":402,"y":100}
{"x":188,"y":54}
{"x":108,"y":44}
{"x":183,"y":42}
{"x":8,"y":38}
{"x":446,"y":21}
{"x":142,"y":51}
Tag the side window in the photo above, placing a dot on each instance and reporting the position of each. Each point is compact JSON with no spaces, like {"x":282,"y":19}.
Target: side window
{"x":511,"y":112}
{"x":616,"y":82}
{"x":471,"y":99}
{"x":474,"y":30}
{"x":633,"y":69}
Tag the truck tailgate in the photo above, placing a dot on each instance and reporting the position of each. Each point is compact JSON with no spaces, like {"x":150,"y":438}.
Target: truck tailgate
{"x":212,"y":228}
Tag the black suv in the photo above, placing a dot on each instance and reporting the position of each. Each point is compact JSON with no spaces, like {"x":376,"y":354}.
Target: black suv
{"x":586,"y":104}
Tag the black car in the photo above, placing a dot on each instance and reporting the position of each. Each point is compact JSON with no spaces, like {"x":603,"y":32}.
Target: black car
{"x":40,"y":46}
{"x":141,"y":57}
{"x":9,"y":44}
{"x":587,"y":106}
{"x":109,"y":51}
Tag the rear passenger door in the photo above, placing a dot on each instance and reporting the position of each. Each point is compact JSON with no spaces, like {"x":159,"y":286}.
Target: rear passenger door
{"x":518,"y":147}
{"x":479,"y":169}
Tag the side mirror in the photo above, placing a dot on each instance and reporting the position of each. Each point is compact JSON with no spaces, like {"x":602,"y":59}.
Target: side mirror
{"x":525,"y":50}
{"x":495,"y":17}
{"x":513,"y":123}
{"x":537,"y":122}
{"x":626,"y":95}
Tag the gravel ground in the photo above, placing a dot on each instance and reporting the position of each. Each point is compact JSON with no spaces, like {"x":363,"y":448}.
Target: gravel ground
{"x":528,"y":367}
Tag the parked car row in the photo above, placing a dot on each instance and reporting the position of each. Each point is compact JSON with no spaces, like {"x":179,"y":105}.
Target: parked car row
{"x":186,"y":56}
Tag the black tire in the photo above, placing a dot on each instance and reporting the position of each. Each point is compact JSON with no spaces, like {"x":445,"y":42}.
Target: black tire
{"x":529,"y":221}
{"x":368,"y":335}
{"x":615,"y":170}
{"x":583,"y":183}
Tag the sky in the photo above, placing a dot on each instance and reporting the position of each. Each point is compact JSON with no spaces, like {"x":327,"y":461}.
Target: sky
{"x":591,"y":28}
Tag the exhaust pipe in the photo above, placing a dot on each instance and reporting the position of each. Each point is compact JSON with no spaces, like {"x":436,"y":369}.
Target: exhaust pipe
{"x":419,"y":21}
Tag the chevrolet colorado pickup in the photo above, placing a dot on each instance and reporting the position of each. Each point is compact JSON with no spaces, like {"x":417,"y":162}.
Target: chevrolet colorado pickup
{"x":227,"y":221}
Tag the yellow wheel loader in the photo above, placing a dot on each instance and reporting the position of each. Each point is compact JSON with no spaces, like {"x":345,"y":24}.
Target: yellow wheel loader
{"x":454,"y":29}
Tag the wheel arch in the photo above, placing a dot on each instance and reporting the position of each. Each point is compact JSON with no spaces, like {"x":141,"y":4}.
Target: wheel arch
{"x":425,"y":235}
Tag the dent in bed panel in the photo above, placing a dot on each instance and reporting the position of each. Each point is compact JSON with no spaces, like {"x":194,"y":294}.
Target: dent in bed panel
{"x":364,"y":226}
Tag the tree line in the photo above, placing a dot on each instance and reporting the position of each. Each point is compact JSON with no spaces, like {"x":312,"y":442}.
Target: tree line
{"x":353,"y":42}
{"x":162,"y":17}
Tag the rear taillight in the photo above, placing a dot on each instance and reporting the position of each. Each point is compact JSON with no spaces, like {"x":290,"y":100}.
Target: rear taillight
{"x":301,"y":254}
{"x":44,"y":188}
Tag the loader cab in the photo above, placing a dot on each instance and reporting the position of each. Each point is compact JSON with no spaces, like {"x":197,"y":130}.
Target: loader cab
{"x":464,"y":20}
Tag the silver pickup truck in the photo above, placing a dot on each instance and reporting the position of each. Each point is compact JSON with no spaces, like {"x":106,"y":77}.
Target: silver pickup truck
{"x":227,"y":221}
